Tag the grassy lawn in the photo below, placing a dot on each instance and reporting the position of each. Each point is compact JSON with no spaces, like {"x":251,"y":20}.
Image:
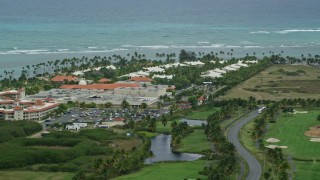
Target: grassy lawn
{"x":290,"y":131}
{"x":247,"y":142}
{"x":29,"y":175}
{"x":195,"y":142}
{"x":202,"y":112}
{"x":169,"y":170}
{"x":164,"y":129}
{"x":277,"y":82}
{"x":307,"y":170}
{"x":147,"y":134}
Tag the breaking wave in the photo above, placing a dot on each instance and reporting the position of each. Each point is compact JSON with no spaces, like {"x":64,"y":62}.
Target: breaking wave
{"x":297,"y":30}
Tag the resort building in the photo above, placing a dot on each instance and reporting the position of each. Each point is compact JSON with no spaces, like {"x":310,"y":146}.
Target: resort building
{"x":114,"y":94}
{"x":140,"y":79}
{"x":13,"y":94}
{"x":104,"y":80}
{"x":212,"y":74}
{"x":155,"y":69}
{"x":194,"y":63}
{"x":21,"y":109}
{"x":154,"y":91}
{"x":61,"y":79}
{"x":220,"y":71}
{"x":166,"y":66}
{"x":162,"y":76}
{"x":103,"y":87}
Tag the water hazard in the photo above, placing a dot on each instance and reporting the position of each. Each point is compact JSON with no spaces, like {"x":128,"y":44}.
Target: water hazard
{"x":160,"y":146}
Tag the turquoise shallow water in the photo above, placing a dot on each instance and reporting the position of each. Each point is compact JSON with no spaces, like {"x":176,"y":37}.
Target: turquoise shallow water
{"x":40,"y":30}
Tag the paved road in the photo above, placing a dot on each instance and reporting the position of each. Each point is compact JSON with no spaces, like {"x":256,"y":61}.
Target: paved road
{"x":254,"y":166}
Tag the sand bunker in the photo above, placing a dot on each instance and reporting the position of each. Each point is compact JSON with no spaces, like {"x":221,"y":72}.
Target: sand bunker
{"x":273,"y":140}
{"x":315,"y":139}
{"x":275,"y":146}
{"x":314,"y":131}
{"x":299,"y":112}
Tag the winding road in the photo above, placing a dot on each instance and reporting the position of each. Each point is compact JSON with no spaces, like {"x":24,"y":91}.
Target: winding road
{"x":254,"y":166}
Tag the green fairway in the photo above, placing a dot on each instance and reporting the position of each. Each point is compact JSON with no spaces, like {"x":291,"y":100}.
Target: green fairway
{"x":195,"y":142}
{"x":290,"y":131}
{"x":202,"y":112}
{"x":29,"y":175}
{"x":306,"y":170}
{"x":164,"y":129}
{"x":147,"y":134}
{"x":169,"y":170}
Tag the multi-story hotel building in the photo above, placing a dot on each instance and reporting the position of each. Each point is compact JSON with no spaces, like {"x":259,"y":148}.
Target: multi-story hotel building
{"x":13,"y":106}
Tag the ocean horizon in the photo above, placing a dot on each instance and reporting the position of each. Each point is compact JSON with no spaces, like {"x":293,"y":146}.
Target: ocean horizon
{"x":36,"y":31}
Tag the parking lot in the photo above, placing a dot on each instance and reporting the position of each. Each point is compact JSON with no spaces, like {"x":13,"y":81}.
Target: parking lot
{"x":96,"y":115}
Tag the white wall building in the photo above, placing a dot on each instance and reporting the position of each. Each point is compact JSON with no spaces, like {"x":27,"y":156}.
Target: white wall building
{"x":162,"y":76}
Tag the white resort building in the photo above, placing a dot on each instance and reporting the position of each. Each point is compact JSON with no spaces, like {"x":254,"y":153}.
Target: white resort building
{"x":13,"y":106}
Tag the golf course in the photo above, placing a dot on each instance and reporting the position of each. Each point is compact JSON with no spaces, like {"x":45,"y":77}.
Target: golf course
{"x":278,"y":82}
{"x":292,"y":130}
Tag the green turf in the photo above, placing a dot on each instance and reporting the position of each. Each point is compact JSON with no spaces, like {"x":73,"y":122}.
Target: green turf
{"x":163,"y":129}
{"x":29,"y":175}
{"x":195,"y":142}
{"x":169,"y":170}
{"x":306,"y":170}
{"x":147,"y":134}
{"x":290,"y":131}
{"x":202,"y":112}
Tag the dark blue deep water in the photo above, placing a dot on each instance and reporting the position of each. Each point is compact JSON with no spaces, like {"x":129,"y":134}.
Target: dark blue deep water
{"x":39,"y":30}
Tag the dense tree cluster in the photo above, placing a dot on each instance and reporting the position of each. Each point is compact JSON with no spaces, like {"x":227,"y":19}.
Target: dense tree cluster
{"x":14,"y":129}
{"x":178,"y":132}
{"x":122,"y":162}
{"x":224,"y":150}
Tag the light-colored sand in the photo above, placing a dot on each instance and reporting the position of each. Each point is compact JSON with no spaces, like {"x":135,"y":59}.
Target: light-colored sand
{"x":315,"y":139}
{"x":273,"y":140}
{"x":38,"y":134}
{"x":313,"y":131}
{"x":275,"y":146}
{"x":299,"y":112}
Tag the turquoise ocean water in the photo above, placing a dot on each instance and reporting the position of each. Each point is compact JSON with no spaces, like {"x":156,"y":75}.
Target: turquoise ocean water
{"x":32,"y":31}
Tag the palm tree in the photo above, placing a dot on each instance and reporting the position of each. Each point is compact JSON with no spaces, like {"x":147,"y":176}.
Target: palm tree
{"x":143,"y":105}
{"x":125,"y":104}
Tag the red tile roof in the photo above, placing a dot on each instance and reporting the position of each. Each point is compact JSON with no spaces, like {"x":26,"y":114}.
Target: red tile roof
{"x":42,"y":109}
{"x":18,"y":108}
{"x":104,"y":80}
{"x":39,"y":102}
{"x":99,"y":86}
{"x":6,"y":98}
{"x":118,"y":119}
{"x":171,"y":87}
{"x":141,"y":79}
{"x":60,"y":78}
{"x":201,"y":98}
{"x":49,"y":99}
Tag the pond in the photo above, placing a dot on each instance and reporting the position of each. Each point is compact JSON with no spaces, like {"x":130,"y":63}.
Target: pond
{"x":160,"y":146}
{"x":192,"y":122}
